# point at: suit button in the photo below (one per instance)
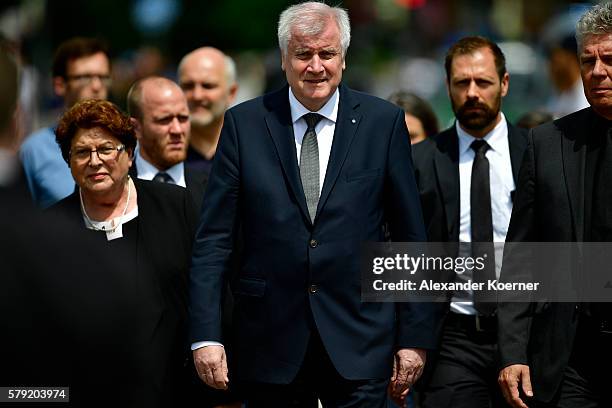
(312, 289)
(313, 243)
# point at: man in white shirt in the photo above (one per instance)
(160, 115)
(564, 71)
(466, 177)
(304, 176)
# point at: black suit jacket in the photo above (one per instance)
(166, 227)
(295, 276)
(549, 207)
(195, 182)
(436, 164)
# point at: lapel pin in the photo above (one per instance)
(353, 120)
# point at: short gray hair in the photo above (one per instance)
(230, 70)
(597, 20)
(311, 18)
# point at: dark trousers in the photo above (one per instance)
(317, 379)
(586, 383)
(464, 372)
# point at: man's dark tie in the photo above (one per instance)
(482, 224)
(309, 164)
(163, 177)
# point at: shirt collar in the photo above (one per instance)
(328, 111)
(495, 138)
(147, 170)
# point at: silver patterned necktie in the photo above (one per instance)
(309, 164)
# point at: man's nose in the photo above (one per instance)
(599, 68)
(175, 126)
(96, 83)
(198, 93)
(472, 90)
(315, 65)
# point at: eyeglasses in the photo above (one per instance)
(104, 153)
(86, 79)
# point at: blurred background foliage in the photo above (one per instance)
(396, 44)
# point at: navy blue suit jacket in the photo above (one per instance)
(295, 276)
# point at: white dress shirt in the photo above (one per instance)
(146, 171)
(502, 185)
(325, 136)
(568, 101)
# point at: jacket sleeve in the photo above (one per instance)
(514, 317)
(418, 322)
(213, 246)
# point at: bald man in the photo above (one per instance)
(160, 114)
(208, 78)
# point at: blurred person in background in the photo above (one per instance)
(161, 120)
(564, 70)
(81, 70)
(151, 224)
(29, 84)
(466, 177)
(421, 119)
(10, 172)
(534, 118)
(208, 78)
(160, 116)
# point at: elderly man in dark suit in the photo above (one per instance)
(466, 177)
(310, 173)
(553, 353)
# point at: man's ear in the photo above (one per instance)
(232, 93)
(505, 83)
(59, 86)
(137, 127)
(282, 61)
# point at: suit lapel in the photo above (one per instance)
(573, 152)
(347, 123)
(447, 172)
(517, 142)
(280, 127)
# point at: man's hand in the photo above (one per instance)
(211, 365)
(407, 368)
(509, 380)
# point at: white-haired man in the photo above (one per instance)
(308, 174)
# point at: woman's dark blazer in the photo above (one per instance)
(166, 226)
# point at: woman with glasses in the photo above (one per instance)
(154, 223)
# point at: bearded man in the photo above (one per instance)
(466, 177)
